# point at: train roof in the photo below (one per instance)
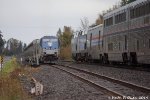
(91, 28)
(33, 42)
(123, 8)
(49, 37)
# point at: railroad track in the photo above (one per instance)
(144, 68)
(80, 74)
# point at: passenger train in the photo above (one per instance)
(124, 37)
(44, 50)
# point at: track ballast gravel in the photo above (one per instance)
(59, 85)
(140, 78)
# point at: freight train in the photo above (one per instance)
(44, 50)
(124, 37)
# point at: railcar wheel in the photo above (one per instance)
(106, 61)
(101, 58)
(133, 58)
(125, 58)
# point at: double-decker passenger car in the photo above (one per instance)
(124, 36)
(32, 52)
(127, 33)
(79, 47)
(88, 46)
(95, 42)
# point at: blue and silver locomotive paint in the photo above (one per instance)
(49, 45)
(44, 50)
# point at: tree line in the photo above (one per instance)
(64, 39)
(11, 46)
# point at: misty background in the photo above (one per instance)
(27, 20)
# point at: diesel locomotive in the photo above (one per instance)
(44, 50)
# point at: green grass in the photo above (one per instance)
(10, 66)
(10, 86)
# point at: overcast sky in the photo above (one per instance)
(26, 20)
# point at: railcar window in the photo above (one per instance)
(119, 45)
(110, 47)
(104, 23)
(137, 44)
(145, 9)
(137, 11)
(90, 40)
(149, 43)
(76, 47)
(102, 43)
(149, 7)
(125, 45)
(85, 45)
(140, 10)
(99, 39)
(120, 18)
(109, 21)
(146, 20)
(131, 13)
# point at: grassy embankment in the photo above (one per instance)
(10, 86)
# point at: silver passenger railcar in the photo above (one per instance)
(32, 52)
(95, 42)
(124, 38)
(127, 33)
(79, 47)
(88, 46)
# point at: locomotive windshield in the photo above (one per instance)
(49, 43)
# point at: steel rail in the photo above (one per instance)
(93, 84)
(121, 82)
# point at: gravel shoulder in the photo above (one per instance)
(59, 85)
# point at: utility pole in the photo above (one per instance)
(1, 63)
